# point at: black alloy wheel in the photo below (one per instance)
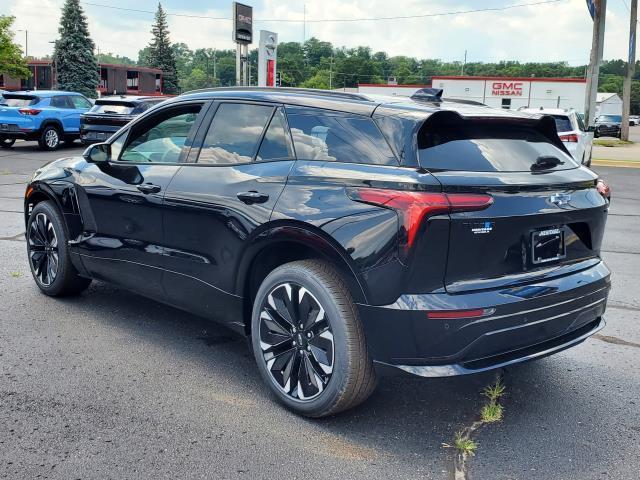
(296, 341)
(48, 253)
(43, 250)
(308, 340)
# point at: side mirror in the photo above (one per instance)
(98, 153)
(591, 128)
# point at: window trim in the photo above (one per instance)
(205, 106)
(206, 124)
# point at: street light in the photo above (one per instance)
(26, 42)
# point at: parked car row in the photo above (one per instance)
(53, 117)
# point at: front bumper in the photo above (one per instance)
(523, 323)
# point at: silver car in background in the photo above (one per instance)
(571, 130)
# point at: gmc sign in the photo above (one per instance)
(506, 89)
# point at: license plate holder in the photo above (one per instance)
(548, 245)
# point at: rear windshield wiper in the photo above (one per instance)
(546, 162)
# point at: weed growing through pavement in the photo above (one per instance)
(16, 274)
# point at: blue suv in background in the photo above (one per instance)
(50, 117)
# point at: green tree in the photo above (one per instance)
(319, 80)
(160, 54)
(12, 63)
(115, 59)
(73, 57)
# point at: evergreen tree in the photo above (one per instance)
(12, 63)
(74, 61)
(159, 53)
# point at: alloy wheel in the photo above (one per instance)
(43, 249)
(296, 340)
(51, 138)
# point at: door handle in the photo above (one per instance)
(147, 188)
(252, 197)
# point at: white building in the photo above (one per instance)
(516, 92)
(395, 90)
(608, 104)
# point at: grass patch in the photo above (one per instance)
(611, 142)
(15, 274)
(465, 445)
(495, 391)
(492, 412)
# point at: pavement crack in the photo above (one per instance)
(615, 340)
(15, 238)
(623, 306)
(621, 251)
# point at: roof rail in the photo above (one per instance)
(306, 91)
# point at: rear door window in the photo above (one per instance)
(60, 101)
(234, 134)
(482, 148)
(335, 138)
(276, 144)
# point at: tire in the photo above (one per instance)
(50, 138)
(48, 253)
(340, 382)
(7, 142)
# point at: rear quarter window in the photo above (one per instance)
(563, 123)
(335, 138)
(477, 148)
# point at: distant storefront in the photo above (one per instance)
(516, 92)
(114, 79)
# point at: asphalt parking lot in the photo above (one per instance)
(112, 385)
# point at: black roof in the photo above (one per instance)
(131, 98)
(357, 103)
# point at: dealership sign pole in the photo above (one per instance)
(598, 10)
(629, 74)
(243, 36)
(267, 57)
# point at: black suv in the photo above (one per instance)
(109, 114)
(346, 235)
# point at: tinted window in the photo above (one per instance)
(276, 144)
(339, 139)
(610, 118)
(563, 123)
(60, 101)
(112, 108)
(162, 137)
(17, 101)
(477, 148)
(580, 122)
(234, 134)
(79, 102)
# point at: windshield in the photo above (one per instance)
(18, 101)
(113, 108)
(610, 118)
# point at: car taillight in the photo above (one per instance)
(414, 207)
(458, 314)
(29, 111)
(571, 138)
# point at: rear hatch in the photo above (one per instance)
(108, 116)
(547, 217)
(17, 110)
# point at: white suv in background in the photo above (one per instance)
(571, 131)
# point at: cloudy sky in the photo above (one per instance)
(560, 30)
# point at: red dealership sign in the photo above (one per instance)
(506, 89)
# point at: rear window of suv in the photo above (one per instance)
(19, 100)
(486, 148)
(113, 108)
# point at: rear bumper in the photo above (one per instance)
(522, 323)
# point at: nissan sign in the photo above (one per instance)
(506, 89)
(242, 23)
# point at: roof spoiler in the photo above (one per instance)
(428, 95)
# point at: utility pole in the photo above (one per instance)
(629, 74)
(464, 64)
(331, 70)
(26, 42)
(304, 24)
(215, 76)
(597, 46)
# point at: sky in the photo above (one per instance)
(558, 31)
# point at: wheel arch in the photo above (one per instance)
(287, 243)
(53, 122)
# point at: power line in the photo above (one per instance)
(366, 19)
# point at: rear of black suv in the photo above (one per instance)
(485, 252)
